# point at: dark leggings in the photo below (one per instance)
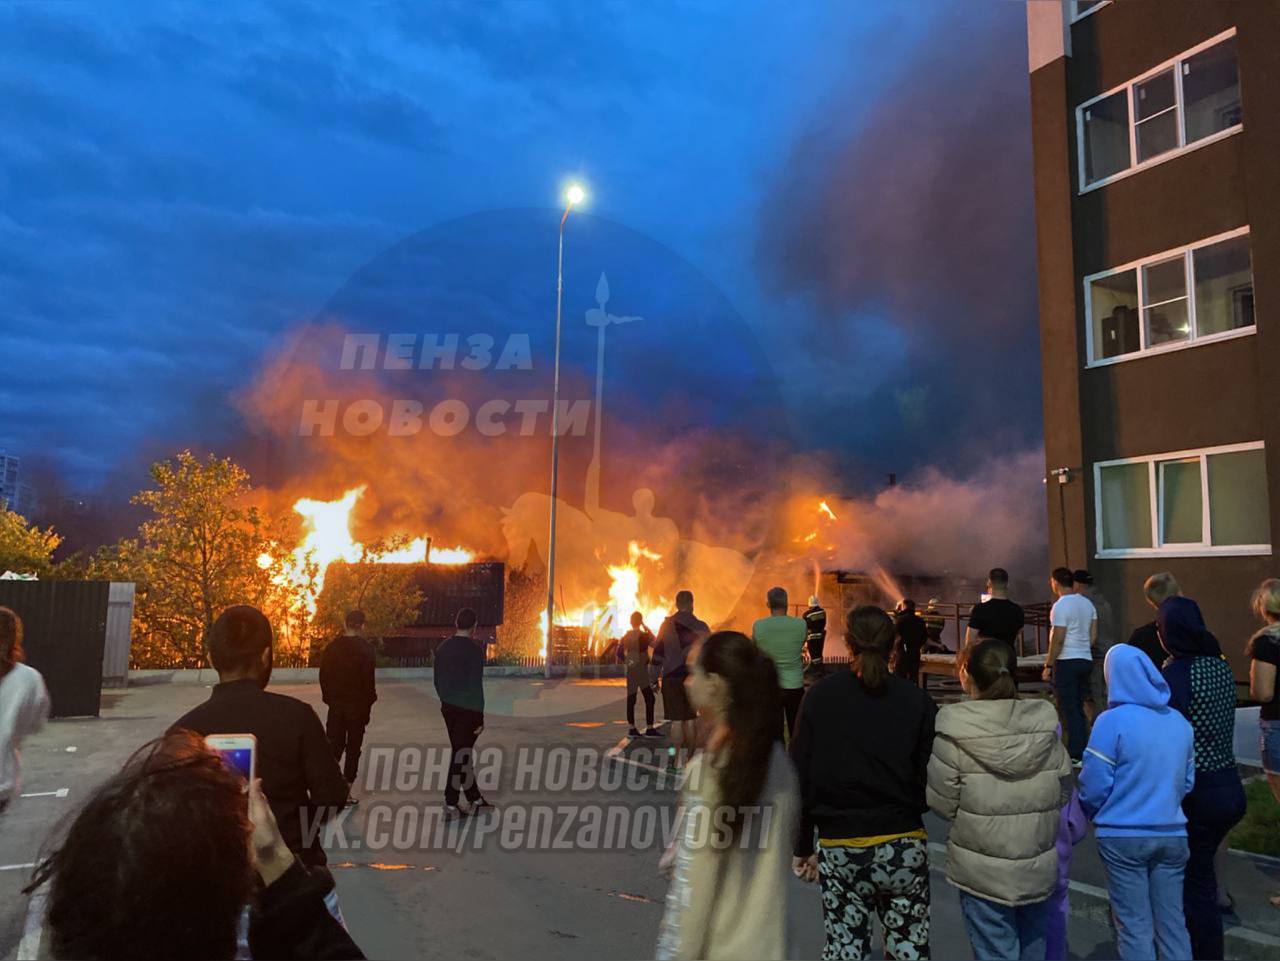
(647, 691)
(1212, 808)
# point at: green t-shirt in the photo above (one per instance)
(782, 638)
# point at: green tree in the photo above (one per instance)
(25, 548)
(201, 550)
(386, 593)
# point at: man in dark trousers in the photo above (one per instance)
(911, 635)
(299, 775)
(459, 679)
(347, 686)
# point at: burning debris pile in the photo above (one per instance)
(611, 564)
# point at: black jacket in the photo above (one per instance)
(290, 920)
(299, 775)
(862, 759)
(459, 673)
(346, 673)
(679, 632)
(912, 632)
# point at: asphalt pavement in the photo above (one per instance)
(565, 868)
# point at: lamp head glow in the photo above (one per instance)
(575, 195)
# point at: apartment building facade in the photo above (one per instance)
(1156, 142)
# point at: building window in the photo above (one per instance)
(1175, 298)
(1211, 501)
(1224, 286)
(1106, 137)
(1179, 105)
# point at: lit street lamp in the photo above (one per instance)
(574, 194)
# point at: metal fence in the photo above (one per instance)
(64, 626)
(1034, 640)
(115, 651)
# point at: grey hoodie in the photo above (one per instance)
(1000, 772)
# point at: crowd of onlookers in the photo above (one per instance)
(1019, 776)
(846, 762)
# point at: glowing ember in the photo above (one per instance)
(826, 509)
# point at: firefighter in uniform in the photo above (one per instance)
(815, 630)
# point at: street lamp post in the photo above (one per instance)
(573, 195)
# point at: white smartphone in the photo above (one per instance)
(239, 753)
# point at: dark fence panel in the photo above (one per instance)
(64, 627)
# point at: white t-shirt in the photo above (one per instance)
(1076, 613)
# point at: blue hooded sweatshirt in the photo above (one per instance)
(1140, 761)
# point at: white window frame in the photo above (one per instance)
(1194, 339)
(1077, 15)
(1128, 87)
(1155, 480)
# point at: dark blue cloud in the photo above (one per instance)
(181, 185)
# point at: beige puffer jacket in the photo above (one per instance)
(1000, 772)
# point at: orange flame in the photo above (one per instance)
(608, 620)
(327, 538)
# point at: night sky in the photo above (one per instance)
(182, 186)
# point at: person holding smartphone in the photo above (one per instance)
(175, 892)
(299, 775)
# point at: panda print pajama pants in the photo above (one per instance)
(889, 881)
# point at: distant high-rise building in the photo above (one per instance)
(26, 501)
(1156, 138)
(9, 473)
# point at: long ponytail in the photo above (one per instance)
(869, 636)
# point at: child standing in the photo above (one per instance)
(1072, 827)
(1139, 765)
(999, 770)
